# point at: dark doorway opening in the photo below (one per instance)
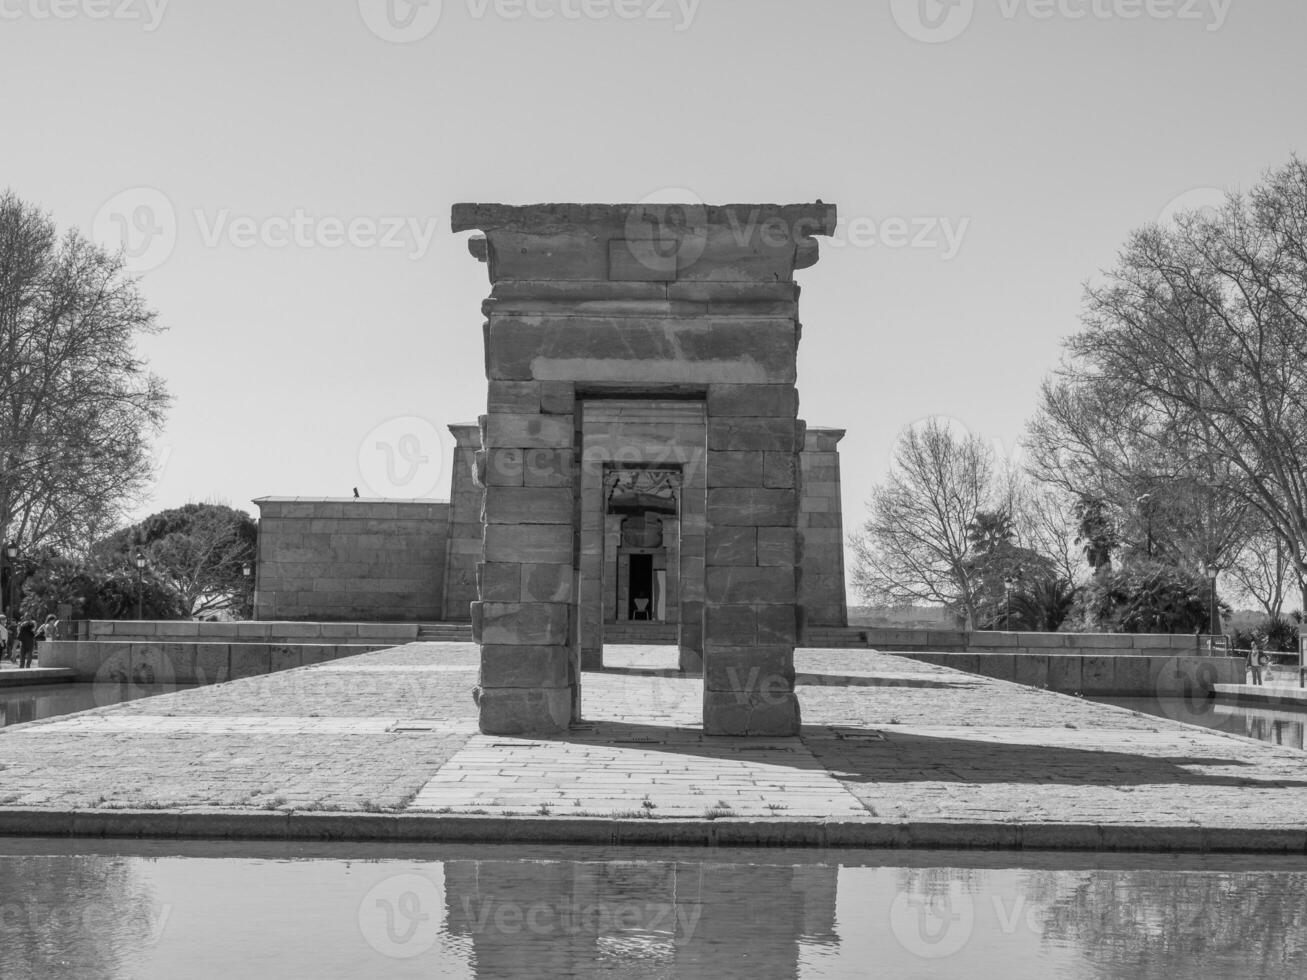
(642, 597)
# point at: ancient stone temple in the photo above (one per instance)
(642, 417)
(640, 475)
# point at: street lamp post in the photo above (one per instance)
(247, 569)
(140, 584)
(1213, 613)
(1009, 583)
(11, 552)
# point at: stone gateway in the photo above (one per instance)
(640, 467)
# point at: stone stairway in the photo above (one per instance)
(834, 638)
(445, 633)
(641, 633)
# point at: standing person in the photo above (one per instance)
(26, 643)
(4, 638)
(49, 629)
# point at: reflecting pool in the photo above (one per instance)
(105, 911)
(1278, 726)
(19, 705)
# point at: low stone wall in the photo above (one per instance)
(187, 663)
(1048, 644)
(383, 634)
(1099, 675)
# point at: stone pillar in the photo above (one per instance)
(661, 303)
(821, 530)
(750, 575)
(463, 550)
(523, 620)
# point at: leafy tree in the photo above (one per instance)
(196, 551)
(97, 590)
(77, 405)
(1148, 597)
(1095, 532)
(1042, 605)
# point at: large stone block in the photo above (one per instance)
(504, 431)
(528, 505)
(525, 712)
(731, 624)
(756, 508)
(643, 351)
(731, 546)
(499, 468)
(524, 624)
(756, 435)
(735, 470)
(753, 401)
(749, 586)
(514, 397)
(547, 583)
(535, 544)
(499, 581)
(557, 397)
(753, 668)
(781, 471)
(524, 666)
(549, 468)
(742, 714)
(777, 547)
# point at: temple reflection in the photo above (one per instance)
(639, 919)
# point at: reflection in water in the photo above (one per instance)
(491, 912)
(1285, 727)
(19, 705)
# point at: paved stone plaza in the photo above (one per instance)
(892, 752)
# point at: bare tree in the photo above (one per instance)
(77, 404)
(1264, 571)
(915, 546)
(1200, 334)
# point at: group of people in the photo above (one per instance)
(23, 638)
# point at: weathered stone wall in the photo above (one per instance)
(350, 560)
(463, 550)
(821, 526)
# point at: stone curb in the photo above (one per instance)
(724, 832)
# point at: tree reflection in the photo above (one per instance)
(1170, 924)
(73, 916)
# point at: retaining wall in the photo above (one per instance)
(188, 663)
(385, 634)
(1099, 675)
(1048, 644)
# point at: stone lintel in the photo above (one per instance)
(646, 243)
(821, 440)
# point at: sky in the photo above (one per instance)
(281, 176)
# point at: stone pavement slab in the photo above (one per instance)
(893, 751)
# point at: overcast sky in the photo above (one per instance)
(283, 174)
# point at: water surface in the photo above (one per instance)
(96, 910)
(1278, 726)
(19, 705)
